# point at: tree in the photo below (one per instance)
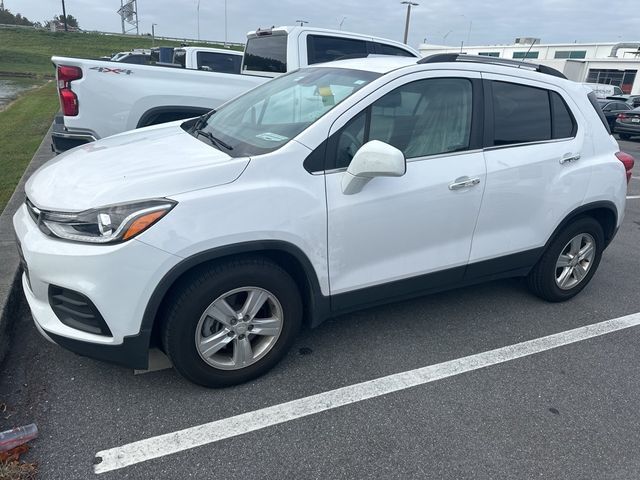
(9, 18)
(71, 20)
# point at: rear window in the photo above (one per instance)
(326, 49)
(180, 57)
(219, 62)
(266, 54)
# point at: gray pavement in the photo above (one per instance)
(566, 413)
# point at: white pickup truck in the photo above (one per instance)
(100, 98)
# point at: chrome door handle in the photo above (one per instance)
(568, 158)
(463, 182)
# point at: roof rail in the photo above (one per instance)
(457, 57)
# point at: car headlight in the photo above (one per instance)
(110, 224)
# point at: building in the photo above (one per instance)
(609, 63)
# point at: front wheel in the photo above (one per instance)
(570, 261)
(232, 322)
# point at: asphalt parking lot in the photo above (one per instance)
(566, 412)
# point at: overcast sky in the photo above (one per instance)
(481, 21)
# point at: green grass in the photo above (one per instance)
(22, 126)
(23, 50)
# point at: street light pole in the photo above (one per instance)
(225, 23)
(64, 17)
(409, 4)
(153, 34)
(198, 15)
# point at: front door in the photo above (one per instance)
(402, 235)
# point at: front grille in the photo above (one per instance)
(77, 311)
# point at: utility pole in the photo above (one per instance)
(225, 23)
(198, 15)
(406, 27)
(64, 17)
(153, 34)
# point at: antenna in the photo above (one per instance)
(526, 55)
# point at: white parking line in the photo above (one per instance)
(154, 447)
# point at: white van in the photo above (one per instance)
(603, 90)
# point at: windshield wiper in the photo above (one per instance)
(216, 142)
(202, 121)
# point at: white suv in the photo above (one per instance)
(326, 190)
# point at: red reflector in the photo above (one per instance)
(68, 74)
(628, 161)
(68, 102)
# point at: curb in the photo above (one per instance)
(11, 296)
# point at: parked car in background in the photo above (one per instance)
(323, 191)
(98, 100)
(604, 90)
(208, 59)
(137, 57)
(627, 124)
(611, 109)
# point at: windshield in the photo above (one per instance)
(270, 115)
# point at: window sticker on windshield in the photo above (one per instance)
(271, 137)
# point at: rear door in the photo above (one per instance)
(538, 167)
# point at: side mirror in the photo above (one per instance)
(373, 159)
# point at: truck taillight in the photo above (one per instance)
(622, 116)
(628, 162)
(68, 99)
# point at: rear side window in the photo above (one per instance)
(266, 54)
(563, 125)
(219, 62)
(326, 49)
(383, 49)
(521, 114)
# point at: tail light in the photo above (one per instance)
(68, 99)
(628, 161)
(622, 116)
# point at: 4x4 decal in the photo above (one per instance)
(117, 71)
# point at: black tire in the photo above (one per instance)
(624, 136)
(199, 289)
(542, 279)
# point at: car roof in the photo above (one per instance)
(387, 63)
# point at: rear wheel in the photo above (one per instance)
(569, 262)
(232, 322)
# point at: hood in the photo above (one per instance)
(152, 162)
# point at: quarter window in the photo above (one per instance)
(422, 118)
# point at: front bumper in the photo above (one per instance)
(63, 139)
(118, 279)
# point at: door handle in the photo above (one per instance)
(463, 182)
(569, 157)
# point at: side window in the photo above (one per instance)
(426, 117)
(563, 123)
(219, 62)
(521, 114)
(383, 49)
(325, 49)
